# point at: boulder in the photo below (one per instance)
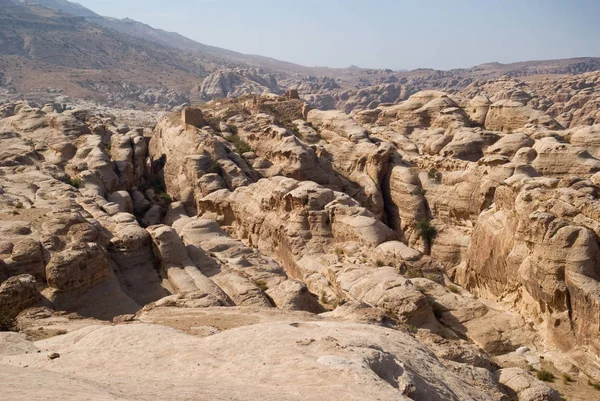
(193, 116)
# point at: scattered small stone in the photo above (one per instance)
(306, 341)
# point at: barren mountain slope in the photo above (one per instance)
(43, 48)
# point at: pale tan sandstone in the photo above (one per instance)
(510, 144)
(190, 153)
(405, 200)
(354, 156)
(539, 228)
(509, 115)
(182, 274)
(238, 270)
(478, 108)
(193, 116)
(16, 294)
(333, 360)
(467, 144)
(526, 387)
(556, 159)
(422, 110)
(586, 137)
(322, 230)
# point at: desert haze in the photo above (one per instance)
(179, 221)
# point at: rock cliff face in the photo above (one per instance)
(457, 237)
(572, 100)
(427, 164)
(232, 83)
(537, 246)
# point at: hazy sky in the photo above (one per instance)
(378, 33)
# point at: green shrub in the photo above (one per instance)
(545, 376)
(75, 182)
(241, 146)
(432, 277)
(262, 285)
(379, 263)
(339, 251)
(426, 231)
(412, 273)
(567, 379)
(453, 289)
(434, 174)
(19, 205)
(233, 129)
(595, 385)
(166, 197)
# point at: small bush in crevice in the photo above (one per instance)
(412, 273)
(75, 182)
(595, 385)
(427, 232)
(453, 289)
(233, 129)
(155, 184)
(379, 263)
(107, 149)
(262, 285)
(434, 174)
(545, 376)
(166, 197)
(433, 277)
(240, 145)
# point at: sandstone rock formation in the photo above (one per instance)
(334, 360)
(237, 82)
(430, 249)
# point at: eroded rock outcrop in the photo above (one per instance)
(540, 228)
(267, 204)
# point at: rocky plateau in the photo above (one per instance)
(443, 247)
(184, 222)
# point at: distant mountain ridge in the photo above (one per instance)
(62, 5)
(144, 31)
(49, 46)
(161, 37)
